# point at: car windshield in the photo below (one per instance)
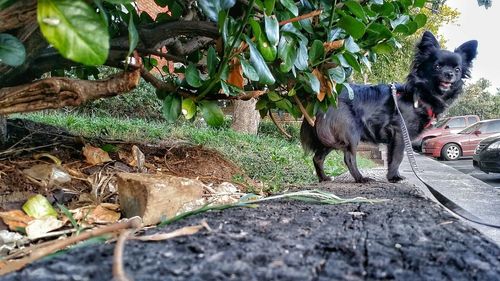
(472, 128)
(441, 123)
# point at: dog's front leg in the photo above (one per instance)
(395, 154)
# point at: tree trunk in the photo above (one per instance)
(245, 118)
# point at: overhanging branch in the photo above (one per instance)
(57, 92)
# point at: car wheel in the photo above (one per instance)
(451, 152)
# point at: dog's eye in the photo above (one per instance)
(438, 66)
(457, 70)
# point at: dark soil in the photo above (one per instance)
(405, 238)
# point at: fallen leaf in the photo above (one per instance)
(138, 158)
(39, 227)
(38, 207)
(103, 215)
(326, 85)
(47, 174)
(235, 76)
(334, 45)
(95, 155)
(187, 230)
(15, 219)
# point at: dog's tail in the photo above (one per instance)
(309, 138)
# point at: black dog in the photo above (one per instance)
(434, 82)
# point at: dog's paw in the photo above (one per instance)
(396, 178)
(364, 180)
(326, 179)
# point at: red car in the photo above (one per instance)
(451, 147)
(444, 126)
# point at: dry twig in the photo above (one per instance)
(37, 253)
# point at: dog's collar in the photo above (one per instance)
(416, 103)
(430, 113)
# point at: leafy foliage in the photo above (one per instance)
(478, 100)
(309, 48)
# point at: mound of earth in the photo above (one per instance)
(32, 143)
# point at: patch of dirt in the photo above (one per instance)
(407, 237)
(29, 140)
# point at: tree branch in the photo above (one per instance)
(304, 111)
(280, 128)
(61, 91)
(19, 14)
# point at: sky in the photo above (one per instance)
(483, 25)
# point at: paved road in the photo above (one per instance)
(464, 165)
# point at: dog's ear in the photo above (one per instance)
(468, 51)
(428, 43)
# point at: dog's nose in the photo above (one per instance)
(448, 75)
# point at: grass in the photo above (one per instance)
(266, 157)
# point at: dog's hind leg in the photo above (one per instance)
(350, 161)
(395, 154)
(319, 160)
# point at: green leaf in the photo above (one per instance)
(273, 96)
(352, 61)
(261, 104)
(412, 27)
(257, 31)
(133, 36)
(212, 114)
(287, 52)
(402, 28)
(349, 90)
(351, 46)
(334, 34)
(267, 50)
(316, 52)
(188, 108)
(421, 20)
(257, 61)
(12, 51)
(269, 6)
(301, 61)
(356, 9)
(353, 26)
(290, 6)
(313, 82)
(307, 25)
(230, 89)
(272, 29)
(248, 70)
(118, 1)
(171, 108)
(383, 48)
(212, 61)
(285, 105)
(400, 20)
(75, 30)
(211, 8)
(419, 3)
(337, 74)
(193, 76)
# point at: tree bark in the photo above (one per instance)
(246, 118)
(60, 91)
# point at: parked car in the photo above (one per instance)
(487, 155)
(445, 126)
(452, 147)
